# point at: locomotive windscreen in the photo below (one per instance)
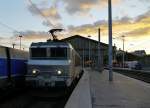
(38, 52)
(58, 52)
(49, 53)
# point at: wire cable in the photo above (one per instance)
(8, 27)
(34, 6)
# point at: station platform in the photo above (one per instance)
(123, 92)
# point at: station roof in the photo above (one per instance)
(85, 38)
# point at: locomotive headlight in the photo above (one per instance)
(34, 71)
(59, 72)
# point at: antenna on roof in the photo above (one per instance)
(52, 31)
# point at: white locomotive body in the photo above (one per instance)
(52, 64)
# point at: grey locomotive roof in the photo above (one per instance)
(48, 44)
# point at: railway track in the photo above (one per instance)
(34, 99)
(37, 98)
(137, 74)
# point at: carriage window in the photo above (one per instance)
(58, 52)
(2, 52)
(38, 52)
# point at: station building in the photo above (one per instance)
(88, 50)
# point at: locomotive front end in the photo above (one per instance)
(48, 65)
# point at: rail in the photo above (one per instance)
(137, 74)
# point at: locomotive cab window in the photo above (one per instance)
(58, 53)
(38, 52)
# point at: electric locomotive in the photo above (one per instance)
(12, 66)
(52, 64)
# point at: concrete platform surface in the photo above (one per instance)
(123, 92)
(81, 96)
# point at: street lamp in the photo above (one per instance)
(20, 36)
(89, 50)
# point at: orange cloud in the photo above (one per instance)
(135, 31)
(51, 12)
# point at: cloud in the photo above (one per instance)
(89, 29)
(144, 0)
(9, 41)
(125, 19)
(120, 26)
(100, 22)
(1, 38)
(123, 26)
(133, 6)
(56, 22)
(45, 11)
(33, 35)
(36, 35)
(27, 38)
(140, 26)
(79, 6)
(134, 29)
(50, 14)
(139, 32)
(143, 16)
(73, 6)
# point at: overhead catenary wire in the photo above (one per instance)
(8, 27)
(13, 30)
(34, 6)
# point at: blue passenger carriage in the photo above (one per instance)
(12, 66)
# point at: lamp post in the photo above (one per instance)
(89, 51)
(114, 52)
(123, 51)
(99, 51)
(13, 45)
(83, 54)
(114, 49)
(20, 36)
(110, 40)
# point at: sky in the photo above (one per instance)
(34, 18)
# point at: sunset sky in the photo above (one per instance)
(33, 19)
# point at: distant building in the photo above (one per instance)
(139, 53)
(146, 61)
(128, 56)
(88, 50)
